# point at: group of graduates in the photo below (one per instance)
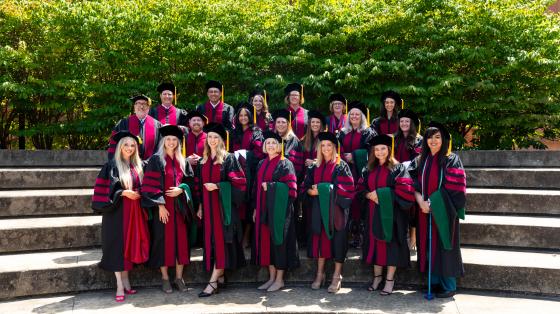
(226, 179)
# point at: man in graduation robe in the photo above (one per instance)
(215, 108)
(139, 124)
(166, 112)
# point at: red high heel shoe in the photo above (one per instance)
(119, 298)
(131, 291)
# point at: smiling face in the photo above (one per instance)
(381, 153)
(243, 117)
(258, 102)
(196, 124)
(281, 126)
(315, 125)
(389, 105)
(166, 97)
(404, 124)
(435, 142)
(337, 107)
(170, 143)
(141, 108)
(294, 98)
(128, 147)
(327, 149)
(214, 94)
(213, 139)
(271, 147)
(355, 116)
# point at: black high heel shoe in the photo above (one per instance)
(203, 294)
(371, 287)
(386, 293)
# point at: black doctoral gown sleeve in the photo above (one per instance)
(153, 184)
(108, 190)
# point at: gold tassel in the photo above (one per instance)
(290, 122)
(175, 96)
(338, 153)
(302, 99)
(392, 147)
(149, 101)
(419, 126)
(184, 147)
(264, 100)
(139, 140)
(367, 116)
(346, 106)
(227, 140)
(282, 157)
(402, 104)
(222, 93)
(254, 115)
(450, 144)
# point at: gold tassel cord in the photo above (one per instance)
(367, 116)
(402, 104)
(302, 99)
(222, 93)
(227, 140)
(450, 144)
(392, 147)
(264, 101)
(175, 96)
(184, 150)
(149, 102)
(282, 157)
(338, 153)
(346, 106)
(254, 115)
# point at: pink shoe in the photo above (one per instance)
(119, 298)
(131, 291)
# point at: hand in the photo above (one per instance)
(425, 207)
(192, 161)
(264, 186)
(163, 214)
(372, 196)
(199, 212)
(133, 195)
(210, 186)
(254, 216)
(173, 192)
(348, 157)
(313, 191)
(309, 162)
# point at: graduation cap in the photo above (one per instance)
(135, 98)
(219, 129)
(196, 113)
(393, 95)
(167, 86)
(407, 113)
(122, 134)
(444, 133)
(171, 130)
(360, 106)
(384, 139)
(337, 97)
(317, 115)
(283, 113)
(252, 110)
(294, 87)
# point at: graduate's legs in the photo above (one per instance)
(120, 286)
(278, 282)
(390, 281)
(165, 284)
(271, 278)
(377, 277)
(336, 282)
(213, 283)
(179, 282)
(320, 276)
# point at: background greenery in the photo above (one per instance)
(68, 67)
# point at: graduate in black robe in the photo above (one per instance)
(215, 108)
(387, 191)
(259, 99)
(140, 124)
(124, 230)
(329, 189)
(275, 191)
(354, 140)
(440, 183)
(221, 186)
(294, 99)
(166, 112)
(388, 121)
(166, 193)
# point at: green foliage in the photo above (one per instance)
(491, 66)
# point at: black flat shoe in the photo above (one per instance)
(203, 294)
(445, 294)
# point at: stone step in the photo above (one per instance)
(72, 271)
(511, 231)
(531, 178)
(47, 178)
(45, 202)
(33, 234)
(52, 158)
(510, 158)
(513, 201)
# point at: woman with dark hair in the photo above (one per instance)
(259, 99)
(274, 193)
(222, 184)
(408, 142)
(329, 188)
(247, 147)
(337, 107)
(116, 196)
(388, 192)
(165, 192)
(440, 184)
(316, 125)
(354, 140)
(387, 122)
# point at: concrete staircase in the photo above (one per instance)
(49, 237)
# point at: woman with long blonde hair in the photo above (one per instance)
(330, 179)
(166, 193)
(221, 185)
(116, 196)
